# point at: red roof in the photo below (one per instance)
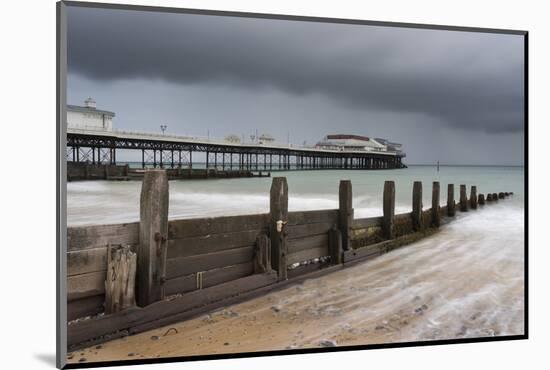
(345, 137)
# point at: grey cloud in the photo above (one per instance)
(470, 81)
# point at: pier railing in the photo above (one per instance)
(182, 268)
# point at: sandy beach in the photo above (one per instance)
(433, 289)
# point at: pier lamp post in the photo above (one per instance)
(163, 128)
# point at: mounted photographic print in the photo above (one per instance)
(235, 184)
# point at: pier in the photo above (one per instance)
(184, 268)
(171, 151)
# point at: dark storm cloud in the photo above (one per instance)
(469, 81)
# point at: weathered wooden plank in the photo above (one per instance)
(87, 260)
(210, 243)
(86, 285)
(436, 214)
(300, 231)
(463, 199)
(120, 281)
(362, 237)
(153, 233)
(88, 306)
(262, 254)
(417, 206)
(473, 197)
(178, 229)
(296, 245)
(278, 211)
(481, 199)
(363, 223)
(176, 267)
(403, 224)
(307, 254)
(451, 209)
(209, 307)
(367, 252)
(335, 246)
(312, 217)
(345, 217)
(388, 220)
(86, 237)
(90, 329)
(402, 217)
(209, 278)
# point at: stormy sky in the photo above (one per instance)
(451, 96)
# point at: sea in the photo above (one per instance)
(475, 264)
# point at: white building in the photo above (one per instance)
(89, 117)
(266, 139)
(344, 142)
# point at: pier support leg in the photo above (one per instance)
(153, 232)
(388, 224)
(278, 210)
(346, 212)
(463, 199)
(417, 206)
(436, 215)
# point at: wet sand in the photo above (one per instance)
(463, 282)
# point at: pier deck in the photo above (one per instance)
(170, 151)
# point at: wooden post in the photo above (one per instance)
(120, 282)
(278, 209)
(451, 209)
(262, 255)
(335, 246)
(346, 212)
(473, 197)
(495, 197)
(463, 199)
(417, 206)
(388, 224)
(480, 199)
(436, 216)
(489, 197)
(500, 195)
(153, 231)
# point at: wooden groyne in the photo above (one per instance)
(184, 268)
(86, 171)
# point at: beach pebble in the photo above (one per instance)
(226, 344)
(99, 347)
(154, 337)
(131, 354)
(421, 309)
(328, 343)
(276, 308)
(82, 359)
